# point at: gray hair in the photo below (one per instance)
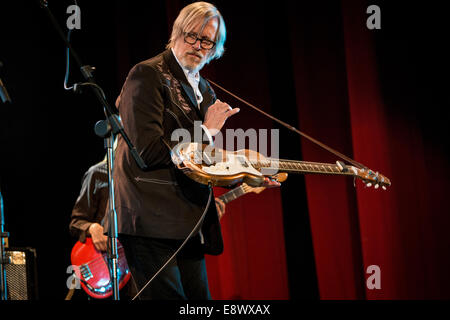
(193, 13)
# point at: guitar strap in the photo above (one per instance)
(320, 144)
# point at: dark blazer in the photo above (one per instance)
(161, 202)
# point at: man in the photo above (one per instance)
(158, 208)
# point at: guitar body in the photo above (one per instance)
(91, 267)
(217, 167)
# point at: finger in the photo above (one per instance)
(274, 184)
(220, 213)
(232, 112)
(219, 204)
(269, 183)
(97, 246)
(102, 246)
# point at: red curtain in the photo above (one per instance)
(319, 76)
(403, 230)
(253, 265)
(341, 101)
(377, 210)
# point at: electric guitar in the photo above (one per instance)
(91, 268)
(217, 167)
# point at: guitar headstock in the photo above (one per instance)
(371, 178)
(368, 177)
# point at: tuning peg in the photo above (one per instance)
(368, 185)
(377, 186)
(383, 187)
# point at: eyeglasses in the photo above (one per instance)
(192, 38)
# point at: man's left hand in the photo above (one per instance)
(270, 183)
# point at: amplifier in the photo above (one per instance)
(21, 273)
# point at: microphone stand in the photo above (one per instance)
(3, 261)
(106, 129)
(3, 234)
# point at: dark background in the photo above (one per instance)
(48, 142)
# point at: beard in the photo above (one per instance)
(194, 61)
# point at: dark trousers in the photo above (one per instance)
(182, 279)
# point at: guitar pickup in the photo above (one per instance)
(243, 162)
(85, 272)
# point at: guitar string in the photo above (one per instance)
(300, 162)
(318, 166)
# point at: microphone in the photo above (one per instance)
(3, 92)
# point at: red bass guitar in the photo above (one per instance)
(91, 267)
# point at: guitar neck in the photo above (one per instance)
(294, 166)
(233, 194)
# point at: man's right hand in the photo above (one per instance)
(216, 115)
(98, 238)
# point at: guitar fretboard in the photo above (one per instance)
(233, 194)
(302, 167)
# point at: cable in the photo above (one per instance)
(184, 242)
(76, 87)
(66, 76)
